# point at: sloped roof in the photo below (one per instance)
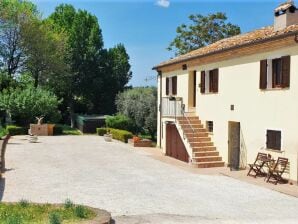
(263, 34)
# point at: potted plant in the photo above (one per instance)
(108, 137)
(136, 139)
(33, 138)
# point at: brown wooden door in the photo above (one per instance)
(234, 145)
(174, 145)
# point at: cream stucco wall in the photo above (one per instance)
(257, 110)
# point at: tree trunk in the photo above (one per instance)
(36, 76)
(71, 114)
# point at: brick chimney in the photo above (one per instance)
(285, 15)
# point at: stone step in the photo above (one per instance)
(199, 139)
(201, 144)
(208, 164)
(188, 122)
(204, 149)
(196, 135)
(207, 159)
(191, 119)
(205, 153)
(196, 130)
(189, 126)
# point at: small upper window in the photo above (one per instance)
(171, 85)
(209, 81)
(273, 140)
(275, 73)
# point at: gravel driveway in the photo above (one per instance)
(133, 186)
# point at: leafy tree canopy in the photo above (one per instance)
(202, 31)
(13, 15)
(139, 104)
(24, 105)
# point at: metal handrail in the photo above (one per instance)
(188, 121)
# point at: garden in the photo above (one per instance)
(48, 70)
(25, 212)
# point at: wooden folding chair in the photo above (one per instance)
(277, 171)
(257, 166)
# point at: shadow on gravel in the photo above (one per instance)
(2, 187)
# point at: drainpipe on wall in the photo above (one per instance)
(160, 105)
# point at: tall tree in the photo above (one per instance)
(117, 75)
(84, 51)
(202, 31)
(44, 50)
(13, 14)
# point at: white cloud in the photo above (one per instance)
(163, 3)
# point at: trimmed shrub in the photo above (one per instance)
(16, 130)
(120, 122)
(3, 132)
(101, 131)
(121, 135)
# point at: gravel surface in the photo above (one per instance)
(133, 186)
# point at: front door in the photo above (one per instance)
(174, 145)
(234, 145)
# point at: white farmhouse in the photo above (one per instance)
(223, 103)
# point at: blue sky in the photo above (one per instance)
(146, 27)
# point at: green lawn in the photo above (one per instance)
(25, 213)
(67, 130)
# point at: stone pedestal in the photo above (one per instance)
(41, 129)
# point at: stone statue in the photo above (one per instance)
(39, 120)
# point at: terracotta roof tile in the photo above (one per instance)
(236, 41)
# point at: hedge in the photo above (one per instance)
(3, 132)
(120, 122)
(101, 131)
(117, 134)
(16, 130)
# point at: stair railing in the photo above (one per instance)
(188, 121)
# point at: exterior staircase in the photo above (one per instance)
(204, 153)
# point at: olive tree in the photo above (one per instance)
(140, 105)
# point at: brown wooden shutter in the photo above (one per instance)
(263, 74)
(270, 139)
(174, 85)
(167, 86)
(215, 81)
(202, 81)
(286, 64)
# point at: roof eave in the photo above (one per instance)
(226, 49)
